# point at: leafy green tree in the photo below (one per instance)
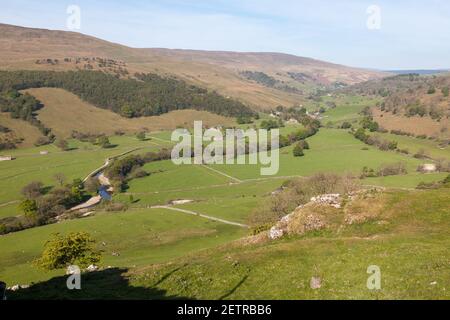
(304, 144)
(103, 142)
(298, 150)
(141, 136)
(127, 111)
(77, 248)
(29, 207)
(346, 125)
(445, 91)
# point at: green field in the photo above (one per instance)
(140, 236)
(29, 165)
(143, 236)
(348, 108)
(410, 247)
(332, 150)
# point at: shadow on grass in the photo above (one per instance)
(233, 290)
(109, 284)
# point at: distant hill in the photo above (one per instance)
(296, 77)
(421, 72)
(417, 104)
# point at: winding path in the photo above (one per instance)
(201, 215)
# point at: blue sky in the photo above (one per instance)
(414, 34)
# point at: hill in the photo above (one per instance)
(412, 103)
(39, 49)
(64, 112)
(404, 236)
(18, 132)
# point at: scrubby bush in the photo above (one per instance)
(298, 192)
(298, 150)
(393, 169)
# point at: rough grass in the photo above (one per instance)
(140, 237)
(20, 129)
(64, 112)
(410, 247)
(416, 125)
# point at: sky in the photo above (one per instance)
(375, 34)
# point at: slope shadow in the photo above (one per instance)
(109, 284)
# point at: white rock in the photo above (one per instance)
(15, 287)
(92, 268)
(315, 283)
(275, 233)
(72, 270)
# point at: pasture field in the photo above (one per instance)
(414, 145)
(144, 235)
(332, 150)
(136, 238)
(77, 163)
(348, 108)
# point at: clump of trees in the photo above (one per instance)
(41, 205)
(24, 107)
(123, 170)
(146, 95)
(392, 169)
(382, 144)
(271, 124)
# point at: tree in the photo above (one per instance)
(33, 190)
(141, 136)
(304, 144)
(92, 185)
(298, 150)
(29, 207)
(62, 144)
(126, 111)
(271, 124)
(104, 142)
(75, 248)
(346, 125)
(445, 91)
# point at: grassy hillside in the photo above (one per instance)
(219, 71)
(20, 130)
(64, 112)
(407, 240)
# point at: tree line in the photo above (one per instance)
(145, 95)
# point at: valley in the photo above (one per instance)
(209, 231)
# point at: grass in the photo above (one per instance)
(414, 145)
(348, 108)
(20, 129)
(410, 247)
(77, 163)
(64, 112)
(140, 236)
(331, 150)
